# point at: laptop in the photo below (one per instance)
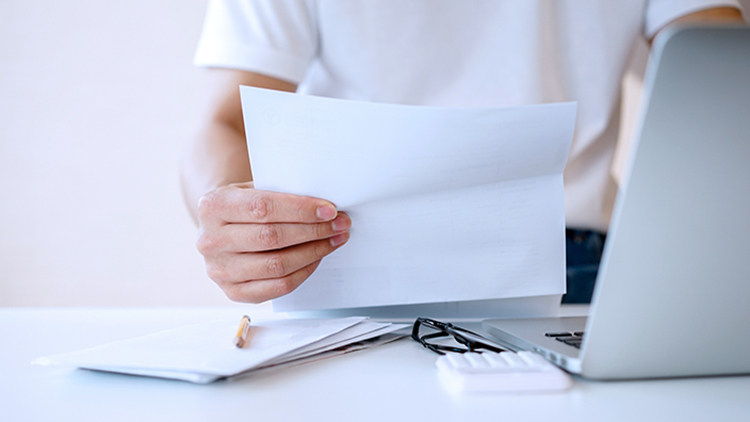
(672, 297)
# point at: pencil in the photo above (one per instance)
(241, 337)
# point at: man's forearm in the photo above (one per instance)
(218, 157)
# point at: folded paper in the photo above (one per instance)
(447, 204)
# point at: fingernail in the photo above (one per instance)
(326, 212)
(340, 224)
(339, 239)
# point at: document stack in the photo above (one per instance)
(206, 352)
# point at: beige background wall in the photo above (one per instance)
(96, 99)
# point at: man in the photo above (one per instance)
(262, 245)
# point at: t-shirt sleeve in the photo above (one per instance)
(271, 37)
(661, 12)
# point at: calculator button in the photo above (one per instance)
(475, 360)
(513, 360)
(457, 360)
(495, 360)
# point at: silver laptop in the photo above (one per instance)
(672, 296)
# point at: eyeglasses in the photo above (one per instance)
(473, 341)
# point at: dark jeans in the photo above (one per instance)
(582, 255)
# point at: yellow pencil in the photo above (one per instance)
(241, 338)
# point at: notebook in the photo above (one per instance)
(673, 292)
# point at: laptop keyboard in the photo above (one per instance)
(571, 338)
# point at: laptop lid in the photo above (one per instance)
(673, 290)
(674, 286)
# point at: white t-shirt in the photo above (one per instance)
(456, 53)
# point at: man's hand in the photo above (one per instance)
(257, 245)
(260, 245)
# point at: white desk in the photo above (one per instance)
(391, 383)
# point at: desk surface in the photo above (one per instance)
(397, 381)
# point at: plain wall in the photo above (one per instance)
(97, 99)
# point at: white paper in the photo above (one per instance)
(363, 331)
(352, 347)
(203, 353)
(205, 348)
(447, 204)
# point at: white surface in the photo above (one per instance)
(447, 204)
(397, 381)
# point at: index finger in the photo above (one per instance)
(237, 204)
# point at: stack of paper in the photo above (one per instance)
(205, 352)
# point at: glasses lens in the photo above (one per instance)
(472, 340)
(426, 329)
(434, 329)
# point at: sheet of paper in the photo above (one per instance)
(204, 348)
(363, 331)
(447, 204)
(352, 347)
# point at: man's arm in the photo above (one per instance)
(218, 155)
(717, 15)
(257, 245)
